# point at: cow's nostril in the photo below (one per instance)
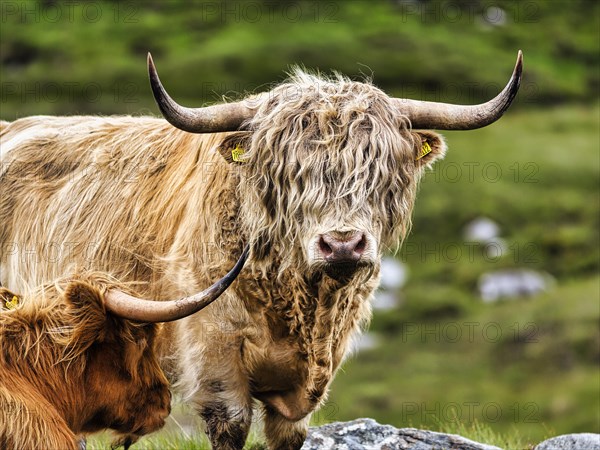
(325, 249)
(361, 245)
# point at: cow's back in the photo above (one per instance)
(104, 193)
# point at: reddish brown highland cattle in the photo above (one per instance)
(71, 362)
(318, 176)
(68, 367)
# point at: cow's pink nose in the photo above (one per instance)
(337, 250)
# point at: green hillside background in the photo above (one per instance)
(520, 370)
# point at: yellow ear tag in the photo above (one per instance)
(425, 150)
(12, 304)
(237, 153)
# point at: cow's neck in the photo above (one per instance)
(313, 319)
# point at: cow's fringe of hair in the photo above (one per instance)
(315, 134)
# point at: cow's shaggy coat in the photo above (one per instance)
(147, 202)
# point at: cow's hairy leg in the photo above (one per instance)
(224, 403)
(218, 388)
(283, 434)
(227, 423)
(226, 431)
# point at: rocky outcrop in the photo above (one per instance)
(366, 434)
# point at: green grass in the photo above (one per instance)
(478, 432)
(529, 368)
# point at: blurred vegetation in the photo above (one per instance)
(89, 56)
(536, 173)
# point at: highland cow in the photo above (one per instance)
(71, 362)
(318, 176)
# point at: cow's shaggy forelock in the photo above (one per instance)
(327, 154)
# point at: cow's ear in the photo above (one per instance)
(88, 313)
(234, 146)
(428, 147)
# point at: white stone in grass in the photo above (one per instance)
(393, 273)
(512, 284)
(481, 230)
(366, 434)
(577, 441)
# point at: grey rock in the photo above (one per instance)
(365, 341)
(367, 434)
(481, 230)
(393, 273)
(384, 300)
(579, 441)
(495, 248)
(513, 283)
(494, 16)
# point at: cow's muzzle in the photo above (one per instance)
(341, 254)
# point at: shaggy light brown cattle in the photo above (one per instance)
(318, 176)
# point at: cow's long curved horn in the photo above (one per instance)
(133, 308)
(444, 116)
(210, 119)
